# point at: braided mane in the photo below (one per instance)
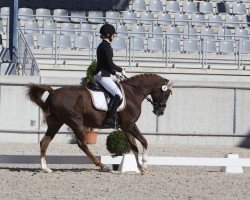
(140, 76)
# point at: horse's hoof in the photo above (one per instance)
(46, 170)
(105, 169)
(143, 170)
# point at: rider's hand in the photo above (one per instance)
(123, 72)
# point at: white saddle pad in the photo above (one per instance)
(100, 103)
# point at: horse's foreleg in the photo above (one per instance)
(132, 134)
(53, 126)
(133, 147)
(84, 147)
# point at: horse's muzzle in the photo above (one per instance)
(159, 111)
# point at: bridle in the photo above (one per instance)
(163, 90)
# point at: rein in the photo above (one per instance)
(155, 105)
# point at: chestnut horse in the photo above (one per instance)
(73, 106)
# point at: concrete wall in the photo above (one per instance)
(197, 112)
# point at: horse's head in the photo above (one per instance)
(160, 97)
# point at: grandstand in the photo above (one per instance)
(183, 40)
(188, 34)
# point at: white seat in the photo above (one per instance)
(122, 30)
(190, 46)
(25, 14)
(181, 19)
(61, 15)
(244, 47)
(95, 17)
(189, 7)
(209, 46)
(147, 18)
(5, 12)
(138, 5)
(241, 34)
(82, 42)
(155, 6)
(86, 29)
(172, 6)
(129, 17)
(31, 27)
(1, 27)
(205, 7)
(173, 32)
(138, 31)
(137, 44)
(239, 8)
(232, 21)
(226, 46)
(190, 33)
(173, 45)
(63, 42)
(43, 14)
(78, 16)
(224, 34)
(155, 44)
(198, 20)
(30, 40)
(45, 41)
(156, 32)
(49, 27)
(112, 17)
(164, 19)
(207, 33)
(215, 20)
(119, 43)
(68, 29)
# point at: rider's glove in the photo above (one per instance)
(123, 72)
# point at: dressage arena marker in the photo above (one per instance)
(231, 164)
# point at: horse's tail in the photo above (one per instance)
(35, 93)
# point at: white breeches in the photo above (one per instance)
(108, 84)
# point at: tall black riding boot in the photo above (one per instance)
(109, 121)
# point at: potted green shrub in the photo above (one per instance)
(90, 135)
(117, 144)
(89, 74)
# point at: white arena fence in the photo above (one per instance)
(127, 163)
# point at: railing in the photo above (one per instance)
(26, 61)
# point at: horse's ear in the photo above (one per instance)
(170, 85)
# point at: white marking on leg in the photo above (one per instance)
(44, 166)
(144, 158)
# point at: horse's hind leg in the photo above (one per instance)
(54, 125)
(82, 144)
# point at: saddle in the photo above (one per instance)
(101, 97)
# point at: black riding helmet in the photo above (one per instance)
(107, 29)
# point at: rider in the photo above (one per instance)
(106, 67)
